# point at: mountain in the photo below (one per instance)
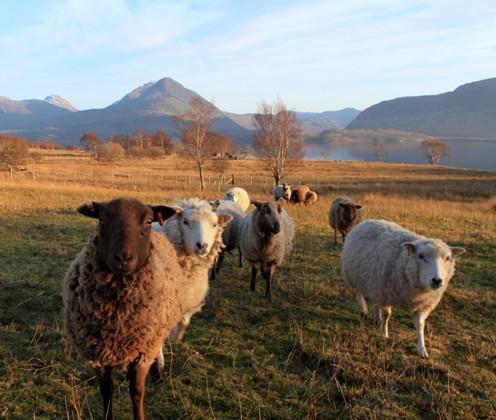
(60, 102)
(468, 111)
(149, 107)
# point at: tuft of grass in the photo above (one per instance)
(306, 355)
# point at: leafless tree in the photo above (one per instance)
(434, 150)
(379, 151)
(193, 125)
(90, 142)
(277, 140)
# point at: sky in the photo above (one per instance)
(315, 55)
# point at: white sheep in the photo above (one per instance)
(231, 234)
(282, 191)
(238, 195)
(267, 234)
(196, 233)
(394, 267)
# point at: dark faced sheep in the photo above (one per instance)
(343, 216)
(299, 194)
(121, 295)
(267, 234)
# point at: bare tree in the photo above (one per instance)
(434, 150)
(379, 151)
(90, 142)
(193, 125)
(277, 140)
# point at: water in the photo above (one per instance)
(463, 153)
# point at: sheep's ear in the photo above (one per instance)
(224, 220)
(456, 250)
(214, 204)
(410, 247)
(90, 209)
(358, 206)
(257, 204)
(162, 213)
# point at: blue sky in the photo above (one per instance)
(315, 55)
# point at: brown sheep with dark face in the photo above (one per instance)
(343, 216)
(299, 194)
(121, 295)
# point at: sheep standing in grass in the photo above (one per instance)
(121, 295)
(311, 197)
(196, 233)
(231, 233)
(238, 195)
(282, 192)
(393, 267)
(343, 216)
(267, 234)
(299, 194)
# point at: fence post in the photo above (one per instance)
(129, 179)
(113, 178)
(11, 174)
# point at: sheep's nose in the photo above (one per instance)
(201, 246)
(277, 228)
(124, 257)
(436, 283)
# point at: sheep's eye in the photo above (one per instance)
(186, 222)
(422, 257)
(149, 222)
(448, 258)
(214, 225)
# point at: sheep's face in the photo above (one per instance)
(124, 232)
(200, 229)
(268, 217)
(231, 196)
(286, 191)
(435, 261)
(349, 211)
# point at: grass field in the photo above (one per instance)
(306, 355)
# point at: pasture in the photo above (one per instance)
(307, 354)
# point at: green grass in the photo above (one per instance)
(306, 355)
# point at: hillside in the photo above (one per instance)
(149, 107)
(469, 111)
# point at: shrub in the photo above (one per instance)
(110, 152)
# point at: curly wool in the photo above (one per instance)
(113, 320)
(336, 215)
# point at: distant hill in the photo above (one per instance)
(469, 111)
(149, 107)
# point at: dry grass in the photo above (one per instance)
(306, 355)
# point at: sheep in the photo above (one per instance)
(299, 194)
(238, 195)
(267, 234)
(120, 295)
(343, 216)
(230, 235)
(310, 198)
(196, 233)
(394, 267)
(282, 192)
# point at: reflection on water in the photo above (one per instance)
(472, 154)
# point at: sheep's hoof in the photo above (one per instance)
(157, 376)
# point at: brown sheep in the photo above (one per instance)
(311, 198)
(121, 295)
(299, 194)
(343, 216)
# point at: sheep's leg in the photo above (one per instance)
(240, 258)
(269, 271)
(220, 261)
(335, 237)
(157, 367)
(384, 315)
(213, 270)
(419, 320)
(253, 278)
(106, 389)
(137, 374)
(362, 304)
(182, 327)
(343, 234)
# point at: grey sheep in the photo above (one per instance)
(267, 234)
(394, 267)
(343, 216)
(282, 191)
